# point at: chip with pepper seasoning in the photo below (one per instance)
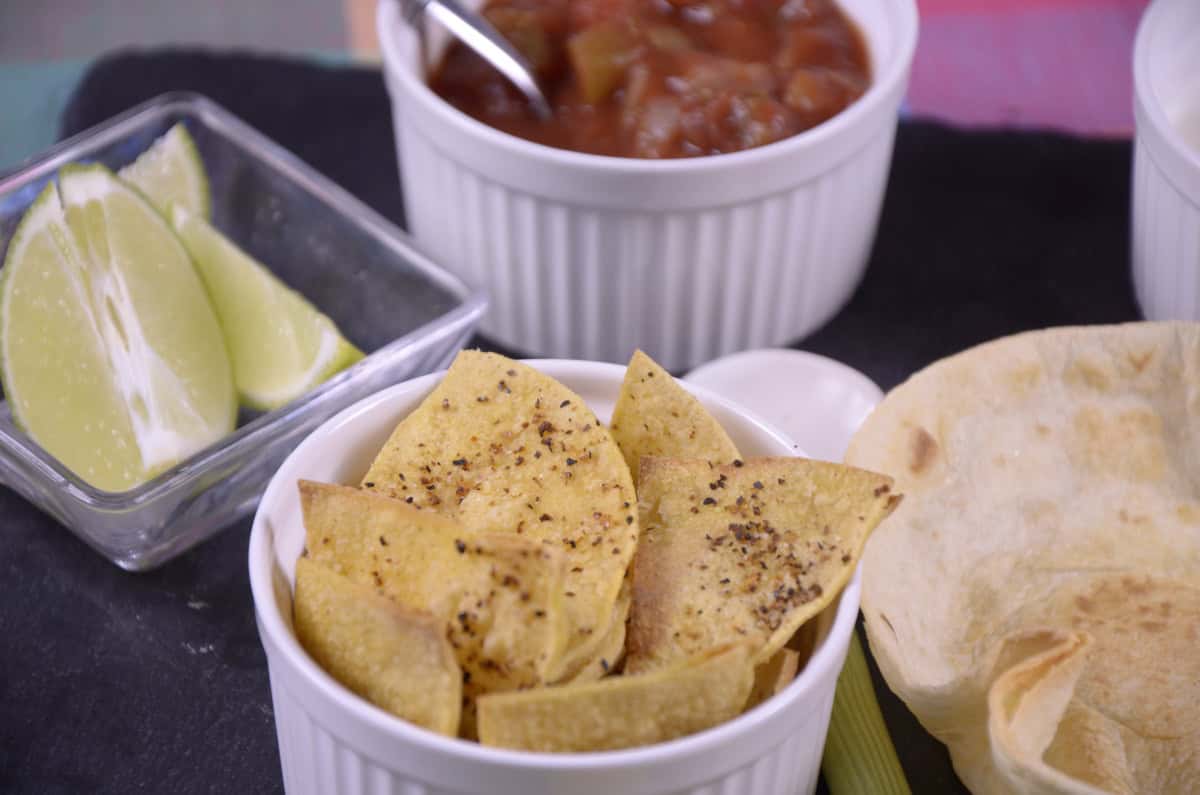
(655, 416)
(499, 594)
(500, 447)
(743, 552)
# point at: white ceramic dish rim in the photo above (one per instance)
(261, 565)
(883, 85)
(1183, 166)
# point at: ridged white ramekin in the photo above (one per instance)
(334, 743)
(1166, 170)
(591, 257)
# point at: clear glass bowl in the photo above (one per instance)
(361, 270)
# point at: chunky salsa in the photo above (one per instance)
(665, 78)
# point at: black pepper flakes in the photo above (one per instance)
(564, 404)
(737, 462)
(758, 484)
(545, 517)
(459, 462)
(460, 546)
(709, 501)
(571, 462)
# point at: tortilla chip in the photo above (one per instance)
(655, 416)
(1051, 493)
(773, 675)
(499, 594)
(622, 711)
(394, 657)
(500, 447)
(743, 552)
(611, 653)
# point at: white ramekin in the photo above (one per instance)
(331, 741)
(1166, 169)
(591, 257)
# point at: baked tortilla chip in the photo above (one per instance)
(743, 552)
(500, 447)
(611, 652)
(655, 416)
(395, 657)
(499, 594)
(622, 711)
(773, 675)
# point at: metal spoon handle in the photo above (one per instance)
(480, 35)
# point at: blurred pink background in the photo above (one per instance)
(1064, 64)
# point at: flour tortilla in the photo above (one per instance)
(1035, 600)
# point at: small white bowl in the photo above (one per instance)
(590, 257)
(1166, 170)
(332, 741)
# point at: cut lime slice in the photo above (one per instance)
(171, 171)
(110, 353)
(280, 345)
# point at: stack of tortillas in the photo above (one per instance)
(1035, 600)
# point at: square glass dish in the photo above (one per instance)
(405, 312)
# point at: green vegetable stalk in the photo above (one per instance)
(859, 756)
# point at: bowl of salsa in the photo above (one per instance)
(663, 78)
(710, 179)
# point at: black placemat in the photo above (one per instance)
(113, 682)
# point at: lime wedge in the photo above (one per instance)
(171, 171)
(110, 354)
(280, 345)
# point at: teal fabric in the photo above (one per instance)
(32, 97)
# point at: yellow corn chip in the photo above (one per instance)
(395, 657)
(773, 675)
(743, 552)
(611, 651)
(655, 416)
(500, 447)
(500, 595)
(622, 711)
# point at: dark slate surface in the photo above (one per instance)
(115, 682)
